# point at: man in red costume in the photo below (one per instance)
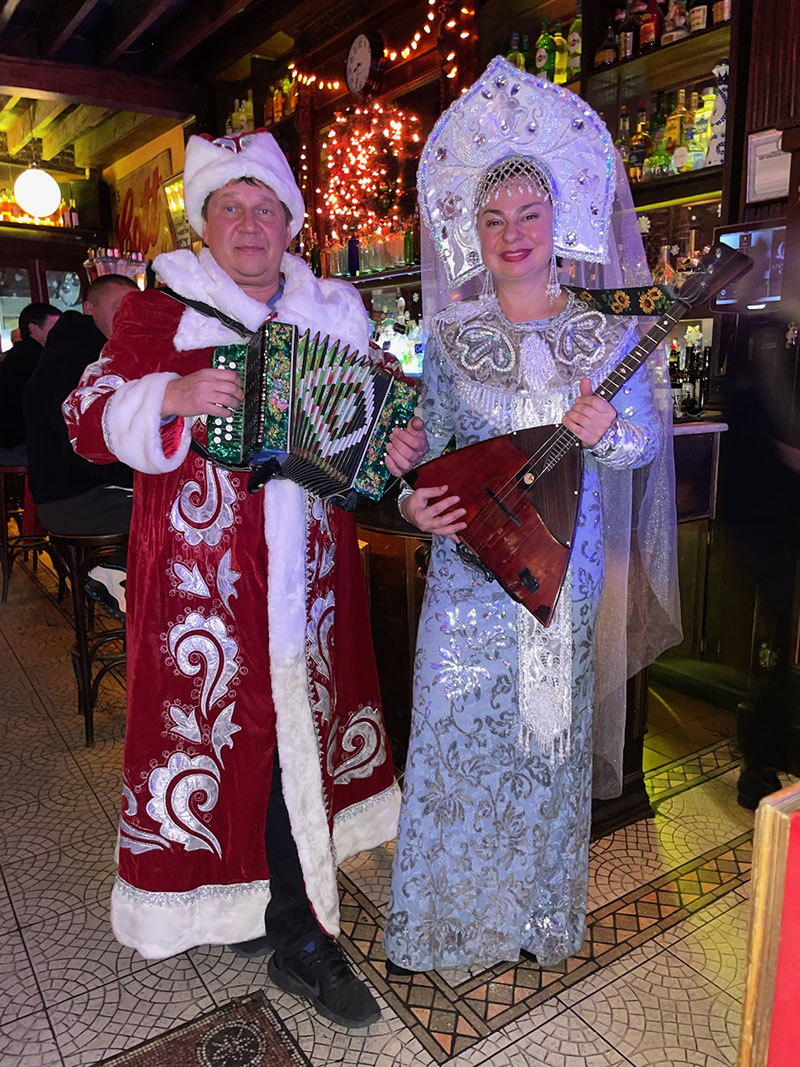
(252, 691)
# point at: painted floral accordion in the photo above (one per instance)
(315, 412)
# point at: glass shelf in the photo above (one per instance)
(692, 185)
(671, 66)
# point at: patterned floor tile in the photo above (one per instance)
(718, 949)
(29, 1042)
(46, 812)
(663, 1009)
(103, 1021)
(76, 952)
(77, 873)
(226, 976)
(564, 1041)
(372, 872)
(626, 859)
(704, 816)
(19, 994)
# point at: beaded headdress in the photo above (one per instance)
(509, 113)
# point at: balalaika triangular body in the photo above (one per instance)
(522, 491)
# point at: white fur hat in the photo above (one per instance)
(210, 164)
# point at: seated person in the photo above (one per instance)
(74, 496)
(19, 362)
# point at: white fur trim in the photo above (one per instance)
(368, 824)
(132, 425)
(327, 306)
(158, 925)
(209, 166)
(284, 522)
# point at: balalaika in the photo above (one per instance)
(313, 411)
(521, 491)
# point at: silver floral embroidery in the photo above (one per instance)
(364, 746)
(318, 640)
(204, 513)
(203, 644)
(222, 731)
(130, 837)
(191, 897)
(190, 581)
(227, 578)
(184, 786)
(185, 724)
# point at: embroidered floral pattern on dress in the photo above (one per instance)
(201, 646)
(362, 745)
(189, 579)
(203, 512)
(180, 792)
(227, 578)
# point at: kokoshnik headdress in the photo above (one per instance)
(508, 114)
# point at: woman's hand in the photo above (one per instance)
(590, 416)
(212, 391)
(406, 447)
(433, 515)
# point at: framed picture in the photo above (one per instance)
(768, 167)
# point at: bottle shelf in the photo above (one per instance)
(670, 66)
(393, 276)
(678, 188)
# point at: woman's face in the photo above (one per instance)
(516, 235)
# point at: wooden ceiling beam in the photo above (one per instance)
(33, 122)
(115, 90)
(116, 137)
(7, 113)
(7, 9)
(208, 17)
(64, 133)
(130, 25)
(64, 19)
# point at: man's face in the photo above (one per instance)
(104, 306)
(247, 233)
(39, 333)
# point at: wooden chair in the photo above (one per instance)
(12, 503)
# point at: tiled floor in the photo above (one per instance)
(658, 982)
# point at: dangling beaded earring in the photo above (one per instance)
(553, 289)
(487, 285)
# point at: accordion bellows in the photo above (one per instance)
(324, 412)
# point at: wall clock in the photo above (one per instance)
(364, 65)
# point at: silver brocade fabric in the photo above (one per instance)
(493, 839)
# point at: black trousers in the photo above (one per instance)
(289, 918)
(103, 510)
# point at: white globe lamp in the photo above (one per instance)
(37, 192)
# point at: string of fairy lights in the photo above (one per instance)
(365, 182)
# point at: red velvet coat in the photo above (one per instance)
(247, 627)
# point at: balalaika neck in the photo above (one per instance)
(563, 438)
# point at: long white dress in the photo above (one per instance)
(492, 851)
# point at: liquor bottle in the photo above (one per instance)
(408, 245)
(575, 46)
(663, 272)
(74, 219)
(562, 55)
(701, 132)
(352, 256)
(651, 22)
(545, 60)
(676, 22)
(248, 116)
(623, 141)
(676, 127)
(606, 54)
(721, 11)
(619, 18)
(514, 55)
(675, 376)
(315, 261)
(700, 15)
(628, 41)
(526, 53)
(641, 146)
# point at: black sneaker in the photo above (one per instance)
(320, 973)
(248, 950)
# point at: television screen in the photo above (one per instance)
(760, 289)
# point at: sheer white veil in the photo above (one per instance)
(640, 611)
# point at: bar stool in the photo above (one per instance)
(91, 658)
(19, 544)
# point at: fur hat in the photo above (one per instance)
(210, 164)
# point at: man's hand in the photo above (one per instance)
(590, 416)
(212, 391)
(406, 447)
(438, 516)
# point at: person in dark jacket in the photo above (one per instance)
(35, 323)
(72, 495)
